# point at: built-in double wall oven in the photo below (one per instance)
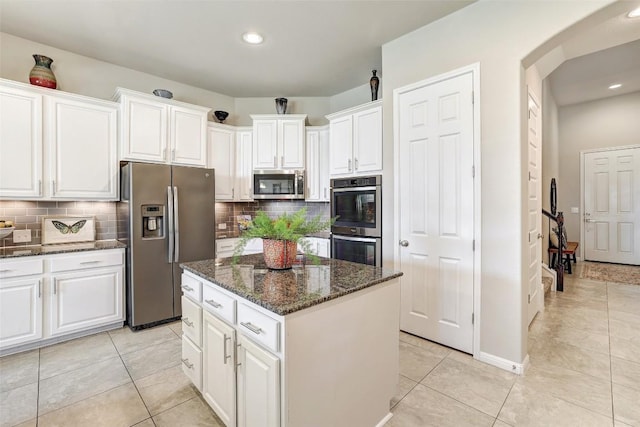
(357, 233)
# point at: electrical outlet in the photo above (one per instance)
(21, 236)
(222, 226)
(575, 210)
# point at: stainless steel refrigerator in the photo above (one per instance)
(166, 216)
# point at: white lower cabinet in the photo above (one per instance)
(219, 370)
(258, 386)
(50, 296)
(192, 362)
(319, 246)
(20, 311)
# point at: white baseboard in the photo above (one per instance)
(507, 365)
(384, 420)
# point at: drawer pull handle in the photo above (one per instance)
(186, 322)
(187, 364)
(5, 270)
(187, 288)
(256, 330)
(213, 303)
(90, 262)
(225, 356)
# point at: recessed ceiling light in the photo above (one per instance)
(634, 13)
(615, 86)
(252, 38)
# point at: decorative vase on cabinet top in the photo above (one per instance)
(374, 82)
(41, 74)
(281, 105)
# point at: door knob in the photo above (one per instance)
(404, 243)
(540, 235)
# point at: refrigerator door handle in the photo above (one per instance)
(170, 224)
(176, 225)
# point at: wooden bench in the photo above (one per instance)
(569, 255)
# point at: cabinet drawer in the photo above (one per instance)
(225, 246)
(21, 268)
(192, 320)
(192, 287)
(219, 303)
(192, 362)
(259, 327)
(92, 259)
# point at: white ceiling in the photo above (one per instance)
(311, 48)
(588, 77)
(598, 57)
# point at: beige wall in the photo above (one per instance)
(87, 76)
(498, 35)
(609, 122)
(550, 158)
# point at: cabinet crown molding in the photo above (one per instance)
(355, 109)
(55, 92)
(278, 116)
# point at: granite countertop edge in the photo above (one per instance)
(8, 252)
(283, 310)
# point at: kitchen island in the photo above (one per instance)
(311, 346)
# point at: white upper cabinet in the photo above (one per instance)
(278, 142)
(83, 160)
(160, 130)
(230, 155)
(56, 146)
(244, 165)
(222, 159)
(355, 140)
(317, 142)
(20, 143)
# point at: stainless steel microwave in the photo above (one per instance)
(278, 184)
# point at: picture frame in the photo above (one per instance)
(68, 229)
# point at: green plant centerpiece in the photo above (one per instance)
(281, 236)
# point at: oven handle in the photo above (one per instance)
(351, 189)
(356, 239)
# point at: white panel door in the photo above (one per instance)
(612, 206)
(341, 145)
(291, 144)
(20, 144)
(83, 154)
(244, 166)
(536, 294)
(188, 136)
(218, 368)
(145, 127)
(367, 140)
(258, 386)
(436, 211)
(222, 159)
(20, 311)
(265, 144)
(85, 299)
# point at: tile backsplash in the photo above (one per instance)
(27, 215)
(227, 212)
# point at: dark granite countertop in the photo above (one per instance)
(20, 251)
(286, 291)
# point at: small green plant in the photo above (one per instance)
(288, 226)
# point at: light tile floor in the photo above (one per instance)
(584, 371)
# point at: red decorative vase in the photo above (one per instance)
(41, 74)
(279, 254)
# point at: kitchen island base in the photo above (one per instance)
(315, 346)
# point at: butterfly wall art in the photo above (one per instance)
(67, 229)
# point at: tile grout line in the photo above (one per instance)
(131, 378)
(38, 393)
(613, 412)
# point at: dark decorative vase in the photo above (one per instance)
(41, 74)
(221, 115)
(374, 82)
(281, 105)
(279, 254)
